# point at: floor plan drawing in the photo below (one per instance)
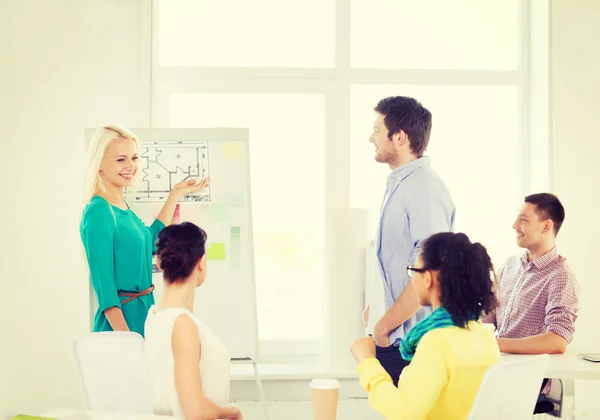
(164, 164)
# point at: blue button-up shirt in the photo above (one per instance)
(416, 205)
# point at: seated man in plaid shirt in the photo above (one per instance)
(538, 292)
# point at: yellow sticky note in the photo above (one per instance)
(233, 151)
(216, 251)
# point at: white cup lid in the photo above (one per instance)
(325, 384)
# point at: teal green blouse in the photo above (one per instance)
(119, 251)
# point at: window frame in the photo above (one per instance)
(335, 85)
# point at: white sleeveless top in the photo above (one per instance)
(214, 361)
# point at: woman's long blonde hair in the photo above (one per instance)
(93, 183)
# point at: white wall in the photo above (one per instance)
(575, 96)
(65, 65)
(576, 148)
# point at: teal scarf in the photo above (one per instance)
(440, 318)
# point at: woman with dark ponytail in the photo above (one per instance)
(450, 350)
(189, 366)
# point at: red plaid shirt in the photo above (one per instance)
(536, 297)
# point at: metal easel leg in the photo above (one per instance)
(261, 392)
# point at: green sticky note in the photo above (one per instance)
(216, 251)
(26, 417)
(218, 212)
(235, 248)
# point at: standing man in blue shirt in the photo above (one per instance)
(416, 205)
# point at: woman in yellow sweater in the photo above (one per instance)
(450, 350)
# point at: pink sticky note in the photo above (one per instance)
(176, 216)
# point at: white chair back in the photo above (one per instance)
(113, 373)
(509, 389)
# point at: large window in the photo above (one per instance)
(304, 77)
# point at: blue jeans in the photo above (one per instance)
(542, 397)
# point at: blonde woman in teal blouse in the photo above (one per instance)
(118, 245)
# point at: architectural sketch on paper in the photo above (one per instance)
(164, 164)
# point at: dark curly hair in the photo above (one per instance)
(179, 247)
(466, 275)
(403, 113)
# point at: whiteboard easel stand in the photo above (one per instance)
(259, 387)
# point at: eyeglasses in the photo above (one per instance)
(410, 270)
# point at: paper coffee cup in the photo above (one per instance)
(325, 395)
